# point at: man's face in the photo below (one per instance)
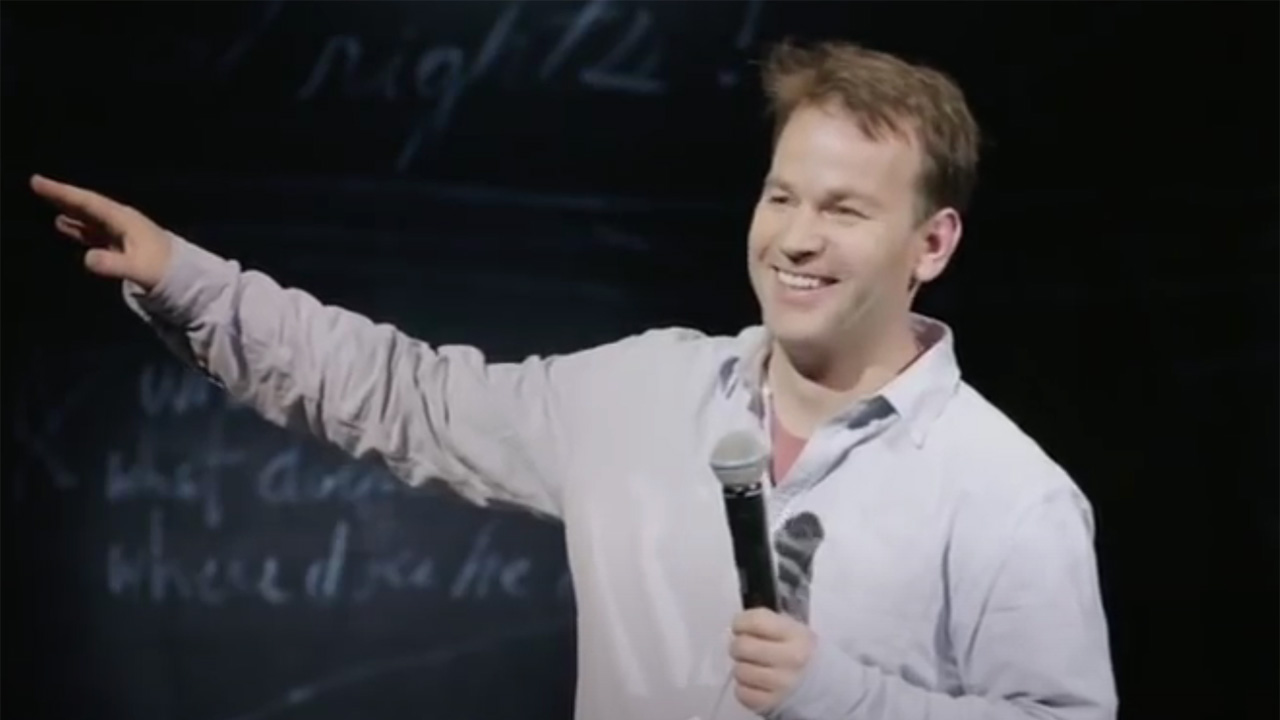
(836, 238)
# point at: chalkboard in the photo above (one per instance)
(452, 92)
(533, 177)
(228, 569)
(397, 159)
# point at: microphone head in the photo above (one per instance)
(739, 460)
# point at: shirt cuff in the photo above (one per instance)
(193, 279)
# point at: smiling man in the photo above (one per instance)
(933, 562)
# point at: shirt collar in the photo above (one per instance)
(917, 395)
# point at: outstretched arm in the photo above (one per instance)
(492, 431)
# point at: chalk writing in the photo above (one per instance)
(601, 45)
(362, 673)
(437, 74)
(440, 72)
(172, 389)
(357, 189)
(151, 572)
(177, 402)
(618, 69)
(486, 570)
(37, 440)
(284, 480)
(194, 460)
(239, 47)
(38, 423)
(729, 77)
(192, 478)
(606, 45)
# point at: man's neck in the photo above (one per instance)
(809, 390)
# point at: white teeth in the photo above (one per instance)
(799, 282)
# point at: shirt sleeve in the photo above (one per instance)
(491, 431)
(1036, 647)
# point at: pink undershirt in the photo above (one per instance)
(786, 448)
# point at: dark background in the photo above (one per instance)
(1115, 295)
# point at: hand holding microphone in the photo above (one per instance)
(770, 650)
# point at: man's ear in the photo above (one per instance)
(938, 239)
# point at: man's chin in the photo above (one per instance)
(800, 335)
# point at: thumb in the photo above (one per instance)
(107, 263)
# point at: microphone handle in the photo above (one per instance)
(752, 551)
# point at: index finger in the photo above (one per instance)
(762, 623)
(80, 202)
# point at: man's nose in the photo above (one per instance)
(802, 236)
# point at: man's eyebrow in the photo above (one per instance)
(836, 194)
(845, 193)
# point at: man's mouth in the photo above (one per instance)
(801, 281)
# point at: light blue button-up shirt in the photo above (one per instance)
(944, 561)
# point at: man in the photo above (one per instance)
(934, 562)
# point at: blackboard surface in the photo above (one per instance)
(534, 177)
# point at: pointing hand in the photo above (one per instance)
(122, 242)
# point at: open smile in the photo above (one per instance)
(801, 281)
(801, 289)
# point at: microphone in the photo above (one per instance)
(739, 462)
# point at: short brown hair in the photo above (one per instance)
(884, 93)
